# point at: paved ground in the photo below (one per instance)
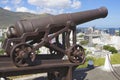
(97, 74)
(86, 74)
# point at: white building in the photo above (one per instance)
(106, 39)
(115, 40)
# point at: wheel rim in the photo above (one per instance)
(22, 55)
(76, 54)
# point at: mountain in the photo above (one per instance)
(8, 18)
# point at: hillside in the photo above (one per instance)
(8, 17)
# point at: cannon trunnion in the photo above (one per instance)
(27, 36)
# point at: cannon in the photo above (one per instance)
(28, 35)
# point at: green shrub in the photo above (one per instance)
(85, 42)
(110, 48)
(38, 51)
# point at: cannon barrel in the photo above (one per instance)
(30, 25)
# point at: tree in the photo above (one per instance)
(113, 50)
(109, 48)
(106, 47)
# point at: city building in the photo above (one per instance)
(82, 30)
(119, 31)
(106, 31)
(98, 38)
(112, 31)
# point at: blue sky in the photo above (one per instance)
(66, 6)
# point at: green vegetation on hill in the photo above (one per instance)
(9, 18)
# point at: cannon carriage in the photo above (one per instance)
(27, 36)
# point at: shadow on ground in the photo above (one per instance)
(78, 74)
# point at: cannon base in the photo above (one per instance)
(57, 69)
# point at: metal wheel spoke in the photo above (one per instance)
(32, 56)
(76, 58)
(16, 54)
(17, 49)
(20, 61)
(29, 49)
(22, 47)
(22, 55)
(76, 54)
(17, 58)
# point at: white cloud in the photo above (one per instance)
(53, 11)
(55, 3)
(55, 6)
(16, 1)
(76, 4)
(24, 9)
(43, 6)
(10, 1)
(7, 8)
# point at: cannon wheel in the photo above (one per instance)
(22, 55)
(76, 54)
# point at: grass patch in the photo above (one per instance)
(100, 61)
(96, 61)
(83, 66)
(86, 62)
(115, 58)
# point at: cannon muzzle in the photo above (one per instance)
(30, 25)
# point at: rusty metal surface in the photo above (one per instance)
(27, 36)
(31, 25)
(53, 66)
(44, 63)
(22, 53)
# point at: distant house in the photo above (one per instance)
(112, 31)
